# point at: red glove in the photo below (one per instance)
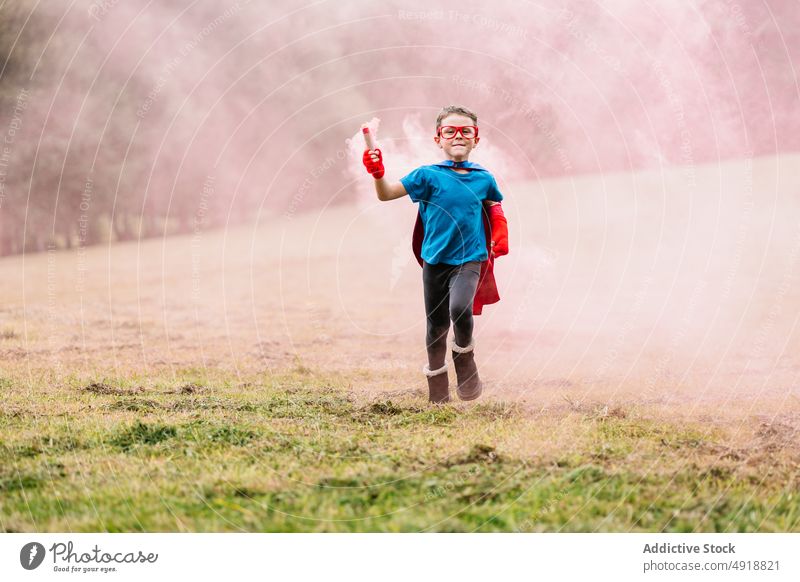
(497, 220)
(374, 168)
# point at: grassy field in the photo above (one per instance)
(300, 451)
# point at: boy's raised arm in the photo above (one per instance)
(388, 190)
(373, 161)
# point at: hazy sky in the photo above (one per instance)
(262, 96)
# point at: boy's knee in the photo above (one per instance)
(460, 312)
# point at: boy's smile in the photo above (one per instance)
(458, 148)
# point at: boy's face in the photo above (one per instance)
(458, 148)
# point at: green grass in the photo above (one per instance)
(300, 452)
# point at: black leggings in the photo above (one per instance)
(449, 291)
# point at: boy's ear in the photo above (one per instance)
(477, 139)
(437, 140)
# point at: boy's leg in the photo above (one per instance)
(437, 300)
(463, 284)
(462, 293)
(437, 312)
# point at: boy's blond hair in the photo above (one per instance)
(457, 109)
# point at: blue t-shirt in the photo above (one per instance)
(451, 206)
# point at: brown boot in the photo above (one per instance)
(469, 383)
(438, 384)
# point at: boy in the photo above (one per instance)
(451, 196)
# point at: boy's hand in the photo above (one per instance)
(373, 161)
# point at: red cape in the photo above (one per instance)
(486, 293)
